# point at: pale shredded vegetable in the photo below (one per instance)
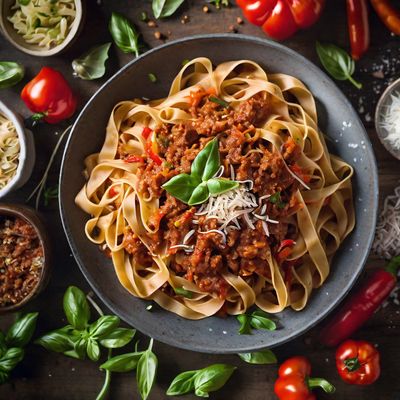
(9, 151)
(43, 22)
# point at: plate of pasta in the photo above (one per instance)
(227, 207)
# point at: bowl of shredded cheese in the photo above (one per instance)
(41, 27)
(387, 118)
(17, 151)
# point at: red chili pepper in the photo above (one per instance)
(388, 15)
(357, 19)
(358, 362)
(49, 96)
(149, 150)
(146, 132)
(360, 306)
(132, 159)
(280, 19)
(294, 382)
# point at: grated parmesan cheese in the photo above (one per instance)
(387, 236)
(391, 121)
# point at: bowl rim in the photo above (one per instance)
(5, 25)
(23, 151)
(378, 117)
(29, 215)
(374, 198)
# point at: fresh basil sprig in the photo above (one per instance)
(259, 357)
(91, 65)
(337, 62)
(13, 342)
(257, 319)
(202, 381)
(165, 8)
(10, 73)
(219, 3)
(197, 187)
(124, 34)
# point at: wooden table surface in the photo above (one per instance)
(43, 375)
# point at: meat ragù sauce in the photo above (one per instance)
(241, 251)
(21, 260)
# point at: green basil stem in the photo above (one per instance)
(358, 85)
(322, 383)
(107, 380)
(393, 266)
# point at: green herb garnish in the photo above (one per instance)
(276, 199)
(124, 34)
(183, 292)
(257, 320)
(216, 100)
(91, 65)
(152, 77)
(197, 187)
(143, 16)
(337, 62)
(165, 8)
(219, 3)
(202, 381)
(259, 357)
(10, 73)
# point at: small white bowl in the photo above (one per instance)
(33, 49)
(26, 158)
(381, 106)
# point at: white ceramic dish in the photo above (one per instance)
(380, 111)
(26, 155)
(19, 42)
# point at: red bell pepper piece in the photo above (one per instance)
(360, 306)
(149, 150)
(146, 132)
(132, 159)
(357, 19)
(358, 362)
(280, 19)
(49, 96)
(294, 381)
(112, 192)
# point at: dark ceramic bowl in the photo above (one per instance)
(216, 335)
(28, 214)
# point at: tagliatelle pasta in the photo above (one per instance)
(266, 241)
(9, 151)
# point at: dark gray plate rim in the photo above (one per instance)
(176, 342)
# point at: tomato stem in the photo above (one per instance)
(322, 383)
(393, 265)
(352, 364)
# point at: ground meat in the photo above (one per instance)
(21, 260)
(244, 252)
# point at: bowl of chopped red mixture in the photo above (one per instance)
(24, 256)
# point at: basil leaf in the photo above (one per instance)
(11, 358)
(259, 320)
(93, 349)
(80, 348)
(3, 346)
(199, 195)
(182, 383)
(206, 163)
(24, 2)
(118, 338)
(218, 101)
(10, 73)
(181, 186)
(91, 65)
(220, 185)
(146, 371)
(4, 377)
(245, 328)
(57, 341)
(103, 326)
(212, 378)
(21, 331)
(165, 8)
(122, 363)
(337, 62)
(183, 292)
(259, 357)
(76, 308)
(124, 34)
(72, 354)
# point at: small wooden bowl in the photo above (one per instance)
(30, 216)
(33, 49)
(382, 104)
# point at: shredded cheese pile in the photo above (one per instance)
(391, 121)
(9, 151)
(387, 236)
